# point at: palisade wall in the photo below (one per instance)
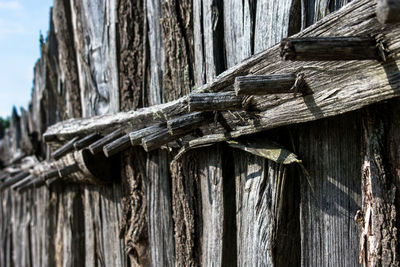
(215, 205)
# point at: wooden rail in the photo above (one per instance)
(333, 87)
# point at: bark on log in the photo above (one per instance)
(131, 49)
(265, 84)
(329, 48)
(378, 218)
(388, 11)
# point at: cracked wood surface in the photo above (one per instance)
(336, 87)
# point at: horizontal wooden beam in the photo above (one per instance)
(329, 48)
(97, 146)
(388, 11)
(335, 87)
(65, 149)
(265, 84)
(188, 122)
(215, 102)
(86, 141)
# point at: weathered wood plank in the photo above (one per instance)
(156, 53)
(273, 21)
(265, 236)
(68, 83)
(94, 29)
(239, 19)
(329, 234)
(373, 81)
(158, 195)
(209, 164)
(213, 43)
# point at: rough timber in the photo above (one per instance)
(337, 87)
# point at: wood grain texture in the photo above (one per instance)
(264, 194)
(68, 84)
(155, 93)
(239, 19)
(341, 93)
(273, 21)
(329, 234)
(161, 234)
(94, 28)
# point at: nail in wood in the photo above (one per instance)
(215, 102)
(65, 149)
(97, 146)
(264, 84)
(188, 122)
(388, 11)
(86, 141)
(329, 48)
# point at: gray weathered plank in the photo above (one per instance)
(94, 27)
(330, 149)
(161, 241)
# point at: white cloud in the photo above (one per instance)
(11, 5)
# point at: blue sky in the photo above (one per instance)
(21, 22)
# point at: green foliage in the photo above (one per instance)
(5, 123)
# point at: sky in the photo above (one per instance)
(21, 22)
